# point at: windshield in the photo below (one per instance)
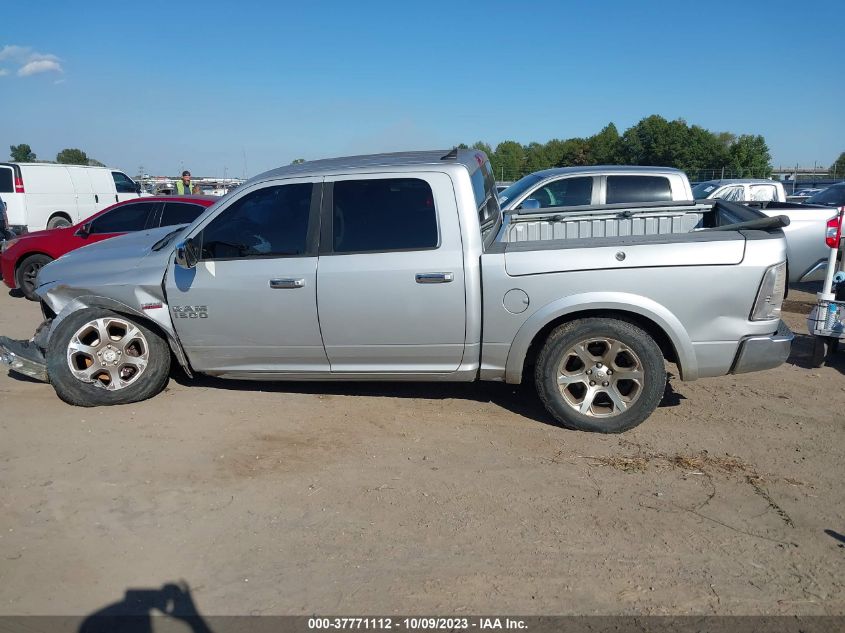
(831, 197)
(519, 187)
(703, 190)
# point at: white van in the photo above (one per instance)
(47, 195)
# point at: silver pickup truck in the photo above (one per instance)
(402, 267)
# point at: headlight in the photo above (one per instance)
(8, 244)
(770, 296)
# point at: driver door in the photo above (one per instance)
(250, 303)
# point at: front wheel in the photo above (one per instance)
(27, 273)
(602, 374)
(97, 357)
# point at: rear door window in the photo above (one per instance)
(180, 213)
(391, 214)
(763, 193)
(123, 219)
(632, 189)
(7, 180)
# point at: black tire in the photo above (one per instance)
(27, 271)
(58, 222)
(617, 403)
(824, 348)
(149, 381)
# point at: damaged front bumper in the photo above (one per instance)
(24, 357)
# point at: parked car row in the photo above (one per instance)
(404, 267)
(42, 196)
(23, 256)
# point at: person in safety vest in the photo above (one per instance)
(183, 186)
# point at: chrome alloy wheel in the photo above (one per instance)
(600, 377)
(111, 353)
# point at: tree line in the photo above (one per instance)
(70, 156)
(652, 141)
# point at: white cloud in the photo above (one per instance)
(29, 61)
(39, 66)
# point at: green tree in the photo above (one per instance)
(837, 169)
(484, 147)
(605, 146)
(72, 156)
(508, 161)
(93, 162)
(22, 153)
(749, 157)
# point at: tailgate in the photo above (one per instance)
(693, 249)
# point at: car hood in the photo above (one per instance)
(105, 262)
(47, 233)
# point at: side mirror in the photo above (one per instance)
(186, 254)
(83, 231)
(138, 188)
(530, 203)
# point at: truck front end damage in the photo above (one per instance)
(123, 275)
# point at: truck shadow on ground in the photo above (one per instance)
(135, 612)
(519, 399)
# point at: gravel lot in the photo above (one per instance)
(277, 498)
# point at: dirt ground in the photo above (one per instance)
(448, 499)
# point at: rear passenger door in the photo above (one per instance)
(390, 284)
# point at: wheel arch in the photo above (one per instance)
(107, 303)
(60, 214)
(663, 326)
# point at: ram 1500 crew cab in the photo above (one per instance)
(402, 267)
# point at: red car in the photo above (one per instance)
(24, 255)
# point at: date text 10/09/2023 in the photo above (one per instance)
(417, 623)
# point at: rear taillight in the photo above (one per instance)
(19, 185)
(833, 232)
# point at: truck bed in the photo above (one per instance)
(620, 221)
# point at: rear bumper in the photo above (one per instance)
(757, 353)
(25, 362)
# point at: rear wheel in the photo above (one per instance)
(27, 273)
(97, 357)
(602, 375)
(58, 222)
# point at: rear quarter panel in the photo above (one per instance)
(700, 301)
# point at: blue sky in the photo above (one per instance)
(250, 86)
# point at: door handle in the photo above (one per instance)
(96, 198)
(434, 278)
(115, 198)
(278, 284)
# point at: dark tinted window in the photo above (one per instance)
(383, 215)
(123, 183)
(129, 217)
(621, 189)
(832, 196)
(6, 180)
(567, 192)
(180, 213)
(269, 222)
(486, 195)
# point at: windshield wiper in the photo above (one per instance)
(166, 239)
